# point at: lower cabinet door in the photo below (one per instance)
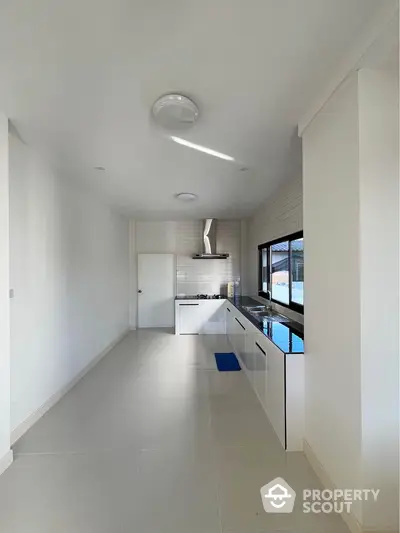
(229, 325)
(190, 318)
(260, 350)
(247, 354)
(213, 317)
(240, 339)
(234, 334)
(275, 393)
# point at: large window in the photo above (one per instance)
(281, 271)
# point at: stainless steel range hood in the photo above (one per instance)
(209, 241)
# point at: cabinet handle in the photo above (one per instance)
(240, 324)
(261, 350)
(228, 309)
(181, 305)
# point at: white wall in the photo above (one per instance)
(280, 215)
(350, 158)
(4, 299)
(331, 288)
(183, 238)
(70, 272)
(156, 237)
(379, 260)
(244, 256)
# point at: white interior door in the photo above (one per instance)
(156, 290)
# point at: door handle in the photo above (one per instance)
(259, 347)
(240, 324)
(181, 305)
(228, 309)
(139, 291)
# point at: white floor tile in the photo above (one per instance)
(177, 492)
(63, 493)
(154, 438)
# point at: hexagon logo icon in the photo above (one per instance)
(277, 496)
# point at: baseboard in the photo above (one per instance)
(20, 430)
(351, 521)
(6, 461)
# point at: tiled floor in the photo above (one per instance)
(154, 440)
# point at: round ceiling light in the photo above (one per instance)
(175, 112)
(186, 196)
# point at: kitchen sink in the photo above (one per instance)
(255, 308)
(262, 311)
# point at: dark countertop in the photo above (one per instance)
(287, 336)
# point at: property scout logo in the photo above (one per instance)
(279, 497)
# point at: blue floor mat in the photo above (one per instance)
(227, 362)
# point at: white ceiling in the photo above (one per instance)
(79, 78)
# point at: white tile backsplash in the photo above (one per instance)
(207, 276)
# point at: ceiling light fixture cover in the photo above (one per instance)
(186, 196)
(203, 149)
(175, 112)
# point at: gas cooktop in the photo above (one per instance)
(200, 297)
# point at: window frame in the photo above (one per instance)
(294, 306)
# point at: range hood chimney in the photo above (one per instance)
(209, 241)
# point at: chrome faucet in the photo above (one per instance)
(269, 299)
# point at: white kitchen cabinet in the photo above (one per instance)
(248, 355)
(214, 317)
(239, 338)
(190, 318)
(264, 365)
(193, 317)
(231, 325)
(276, 377)
(229, 318)
(260, 381)
(234, 333)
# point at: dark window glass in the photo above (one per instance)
(264, 267)
(281, 271)
(297, 261)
